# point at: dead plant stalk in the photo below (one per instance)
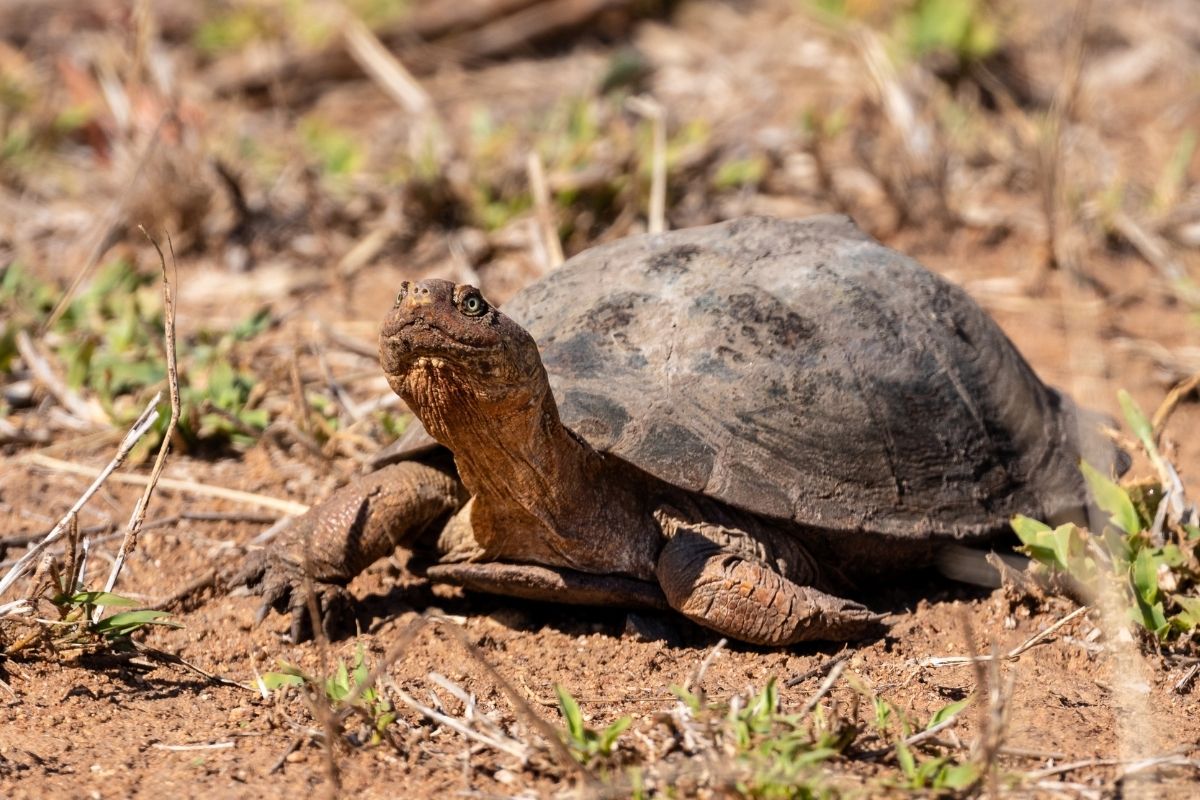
(139, 511)
(140, 426)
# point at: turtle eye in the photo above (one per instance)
(473, 305)
(403, 293)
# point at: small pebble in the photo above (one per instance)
(241, 714)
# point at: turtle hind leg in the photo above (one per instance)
(750, 601)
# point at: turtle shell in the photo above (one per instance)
(800, 370)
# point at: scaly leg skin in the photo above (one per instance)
(337, 539)
(749, 600)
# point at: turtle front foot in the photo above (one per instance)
(331, 543)
(283, 586)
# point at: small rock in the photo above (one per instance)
(240, 714)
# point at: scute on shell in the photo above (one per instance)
(800, 370)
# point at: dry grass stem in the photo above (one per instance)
(343, 398)
(507, 745)
(1178, 392)
(383, 67)
(1050, 160)
(143, 423)
(1011, 655)
(548, 230)
(651, 109)
(917, 738)
(319, 704)
(694, 681)
(399, 648)
(188, 487)
(139, 511)
(826, 686)
(1154, 249)
(820, 669)
(361, 254)
(521, 705)
(67, 397)
(1184, 683)
(1129, 766)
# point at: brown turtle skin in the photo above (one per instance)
(735, 422)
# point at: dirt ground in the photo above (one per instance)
(1073, 218)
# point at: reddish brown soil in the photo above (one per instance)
(96, 726)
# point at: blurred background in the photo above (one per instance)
(304, 157)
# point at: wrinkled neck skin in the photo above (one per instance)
(540, 493)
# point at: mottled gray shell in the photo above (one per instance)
(800, 370)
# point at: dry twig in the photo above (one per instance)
(383, 67)
(139, 511)
(67, 397)
(548, 231)
(189, 487)
(140, 426)
(1011, 655)
(652, 110)
(505, 745)
(826, 686)
(1163, 415)
(820, 669)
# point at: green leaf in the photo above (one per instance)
(1137, 422)
(361, 673)
(1111, 498)
(883, 712)
(904, 757)
(571, 714)
(276, 680)
(740, 172)
(957, 776)
(946, 712)
(1062, 538)
(689, 699)
(609, 736)
(1172, 556)
(1152, 617)
(384, 720)
(1144, 573)
(127, 622)
(253, 325)
(1189, 618)
(94, 599)
(1057, 548)
(1027, 528)
(338, 686)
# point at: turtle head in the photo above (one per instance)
(446, 350)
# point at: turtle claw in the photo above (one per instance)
(283, 587)
(334, 605)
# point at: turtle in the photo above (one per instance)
(739, 422)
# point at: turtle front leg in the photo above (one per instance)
(338, 538)
(748, 599)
